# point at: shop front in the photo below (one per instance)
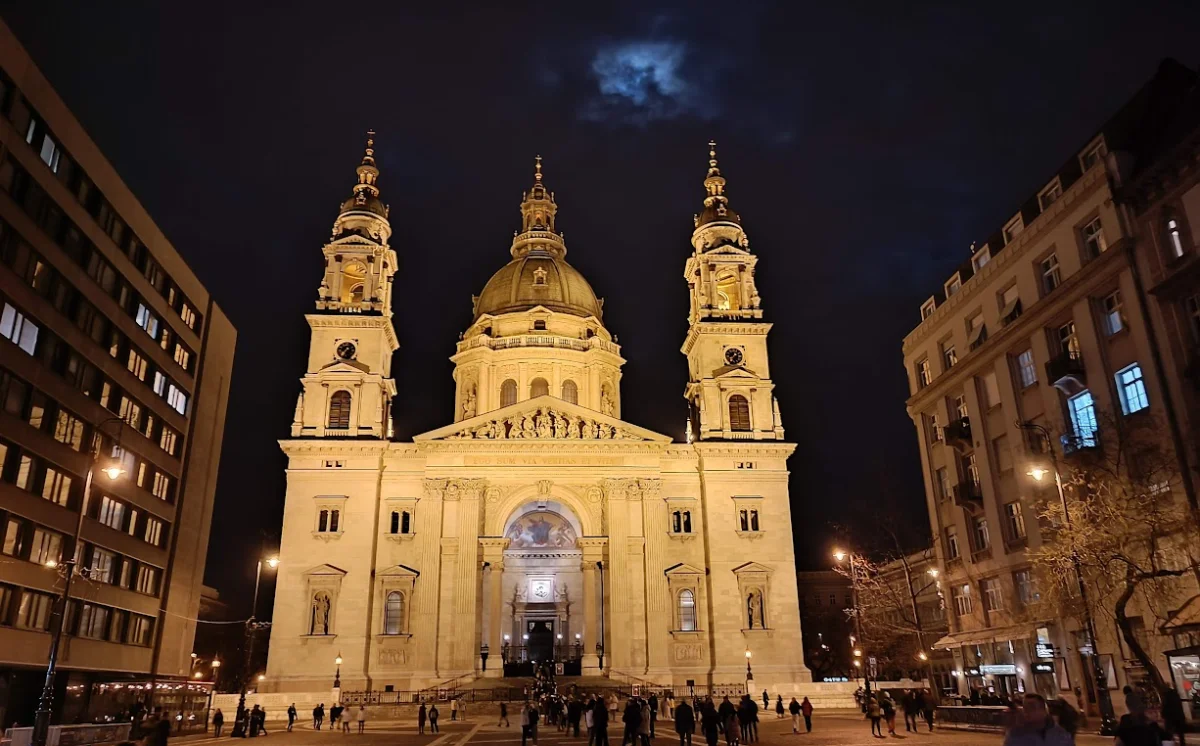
(1184, 661)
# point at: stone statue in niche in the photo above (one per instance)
(754, 610)
(468, 407)
(606, 402)
(544, 429)
(560, 593)
(519, 592)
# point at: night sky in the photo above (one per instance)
(866, 146)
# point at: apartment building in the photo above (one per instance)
(826, 627)
(111, 353)
(1042, 324)
(916, 605)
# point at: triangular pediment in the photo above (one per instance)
(544, 418)
(400, 571)
(734, 371)
(751, 567)
(326, 570)
(727, 248)
(683, 568)
(351, 367)
(356, 240)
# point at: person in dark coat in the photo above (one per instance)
(574, 713)
(218, 722)
(632, 719)
(318, 716)
(928, 705)
(912, 708)
(433, 718)
(806, 709)
(710, 722)
(422, 715)
(685, 722)
(794, 711)
(727, 713)
(600, 723)
(291, 716)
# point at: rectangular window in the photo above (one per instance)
(133, 522)
(139, 629)
(176, 398)
(1026, 369)
(25, 471)
(991, 390)
(962, 599)
(981, 258)
(993, 596)
(147, 579)
(971, 468)
(1093, 238)
(137, 365)
(1082, 409)
(56, 487)
(980, 535)
(154, 531)
(18, 329)
(924, 375)
(952, 551)
(1010, 304)
(1132, 389)
(34, 611)
(112, 513)
(1092, 155)
(188, 315)
(960, 406)
(168, 439)
(941, 483)
(927, 309)
(953, 285)
(93, 621)
(935, 430)
(1014, 520)
(1050, 194)
(68, 430)
(131, 412)
(949, 356)
(46, 547)
(103, 562)
(1023, 584)
(1068, 341)
(1114, 316)
(160, 383)
(1051, 276)
(162, 486)
(1013, 229)
(182, 356)
(147, 320)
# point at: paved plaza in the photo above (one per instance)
(839, 729)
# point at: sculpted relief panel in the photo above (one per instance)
(546, 423)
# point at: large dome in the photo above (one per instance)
(538, 278)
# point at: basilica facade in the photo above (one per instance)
(540, 524)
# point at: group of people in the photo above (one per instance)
(1033, 723)
(880, 708)
(337, 715)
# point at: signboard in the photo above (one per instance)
(1043, 650)
(873, 667)
(998, 669)
(1043, 667)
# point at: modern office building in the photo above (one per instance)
(1044, 324)
(112, 352)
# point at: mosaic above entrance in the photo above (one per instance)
(541, 530)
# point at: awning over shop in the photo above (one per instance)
(1187, 615)
(987, 636)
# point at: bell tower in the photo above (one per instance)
(729, 391)
(347, 391)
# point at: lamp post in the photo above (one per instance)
(749, 675)
(252, 626)
(1108, 720)
(337, 677)
(840, 555)
(113, 470)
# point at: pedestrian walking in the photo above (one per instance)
(685, 723)
(503, 715)
(589, 719)
(335, 714)
(291, 713)
(727, 713)
(1135, 729)
(318, 716)
(733, 730)
(345, 718)
(653, 702)
(806, 709)
(453, 710)
(600, 723)
(710, 722)
(362, 718)
(928, 705)
(422, 716)
(632, 717)
(644, 723)
(889, 712)
(875, 715)
(218, 722)
(794, 710)
(433, 718)
(766, 699)
(574, 714)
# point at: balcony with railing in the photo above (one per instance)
(539, 340)
(1081, 442)
(968, 494)
(958, 433)
(1065, 372)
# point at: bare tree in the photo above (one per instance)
(1122, 525)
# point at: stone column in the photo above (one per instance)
(493, 554)
(593, 552)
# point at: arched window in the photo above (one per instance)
(508, 393)
(393, 614)
(739, 413)
(395, 527)
(356, 293)
(322, 609)
(728, 295)
(339, 411)
(687, 611)
(1174, 240)
(538, 387)
(570, 392)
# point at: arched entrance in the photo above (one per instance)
(543, 581)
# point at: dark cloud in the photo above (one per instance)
(643, 81)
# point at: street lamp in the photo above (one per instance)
(337, 677)
(113, 470)
(841, 555)
(749, 673)
(1108, 720)
(252, 626)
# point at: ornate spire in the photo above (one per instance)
(538, 212)
(362, 210)
(716, 204)
(368, 174)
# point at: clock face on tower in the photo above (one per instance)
(346, 350)
(733, 356)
